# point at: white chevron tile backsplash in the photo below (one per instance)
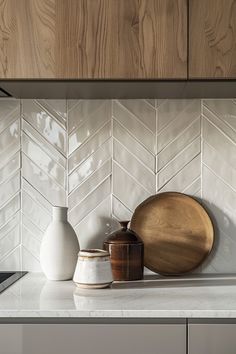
(102, 158)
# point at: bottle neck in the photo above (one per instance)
(59, 213)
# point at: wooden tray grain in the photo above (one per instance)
(176, 231)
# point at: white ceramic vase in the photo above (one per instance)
(59, 248)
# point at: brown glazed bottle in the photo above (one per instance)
(127, 251)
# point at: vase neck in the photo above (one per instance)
(59, 213)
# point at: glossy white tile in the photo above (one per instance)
(90, 147)
(135, 127)
(132, 145)
(92, 200)
(126, 189)
(41, 181)
(142, 111)
(45, 124)
(134, 167)
(89, 126)
(104, 157)
(85, 169)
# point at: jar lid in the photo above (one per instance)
(123, 236)
(91, 253)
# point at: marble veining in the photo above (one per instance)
(193, 297)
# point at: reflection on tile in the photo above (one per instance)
(56, 108)
(52, 191)
(43, 144)
(89, 184)
(90, 147)
(103, 158)
(10, 167)
(90, 202)
(81, 110)
(43, 160)
(95, 161)
(90, 125)
(9, 140)
(9, 112)
(46, 124)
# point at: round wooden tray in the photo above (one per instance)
(176, 231)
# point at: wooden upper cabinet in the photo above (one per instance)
(212, 39)
(93, 39)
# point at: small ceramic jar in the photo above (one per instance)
(126, 250)
(93, 269)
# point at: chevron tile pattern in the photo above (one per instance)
(44, 171)
(89, 169)
(10, 194)
(102, 158)
(219, 178)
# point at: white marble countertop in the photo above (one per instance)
(193, 297)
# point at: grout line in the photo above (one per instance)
(219, 177)
(112, 157)
(186, 147)
(137, 119)
(156, 167)
(128, 132)
(67, 155)
(201, 135)
(21, 199)
(179, 171)
(133, 155)
(91, 191)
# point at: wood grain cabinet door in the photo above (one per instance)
(92, 338)
(212, 39)
(93, 39)
(212, 338)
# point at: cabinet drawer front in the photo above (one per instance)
(212, 338)
(100, 39)
(212, 33)
(92, 338)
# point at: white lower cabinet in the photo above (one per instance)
(93, 338)
(212, 338)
